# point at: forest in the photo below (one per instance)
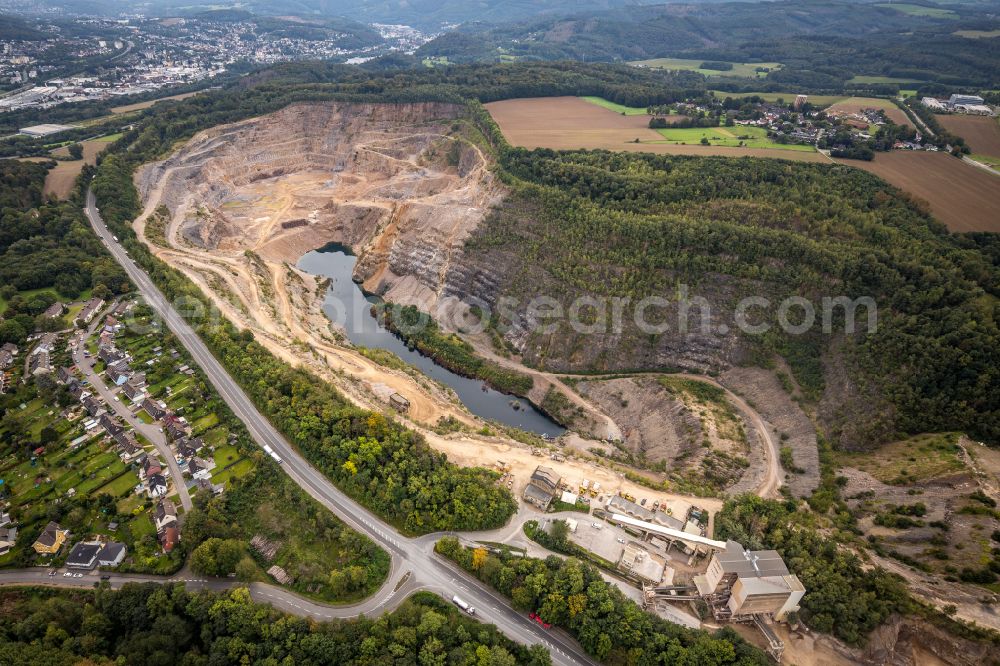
(637, 225)
(821, 48)
(165, 625)
(572, 595)
(46, 251)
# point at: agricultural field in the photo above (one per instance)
(981, 133)
(977, 34)
(617, 108)
(60, 179)
(569, 123)
(920, 10)
(856, 104)
(752, 137)
(880, 79)
(129, 108)
(742, 70)
(960, 195)
(815, 100)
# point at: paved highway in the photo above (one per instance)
(414, 565)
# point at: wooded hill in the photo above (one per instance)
(822, 44)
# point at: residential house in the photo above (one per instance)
(6, 359)
(136, 395)
(83, 555)
(118, 373)
(214, 488)
(111, 424)
(93, 405)
(8, 537)
(50, 540)
(154, 409)
(165, 514)
(128, 449)
(137, 380)
(110, 355)
(38, 363)
(199, 469)
(149, 466)
(188, 448)
(89, 311)
(4, 519)
(111, 555)
(10, 348)
(157, 484)
(54, 310)
(76, 389)
(169, 538)
(175, 428)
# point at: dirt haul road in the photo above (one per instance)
(397, 183)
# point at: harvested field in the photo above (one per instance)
(982, 133)
(815, 100)
(568, 123)
(128, 108)
(60, 179)
(961, 196)
(856, 104)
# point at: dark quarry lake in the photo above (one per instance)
(346, 304)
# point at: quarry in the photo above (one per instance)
(403, 186)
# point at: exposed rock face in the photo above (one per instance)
(394, 182)
(907, 642)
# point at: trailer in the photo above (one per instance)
(269, 451)
(463, 605)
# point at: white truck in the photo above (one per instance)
(463, 605)
(269, 451)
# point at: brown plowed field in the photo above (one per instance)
(568, 123)
(982, 133)
(964, 197)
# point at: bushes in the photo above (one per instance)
(165, 625)
(422, 333)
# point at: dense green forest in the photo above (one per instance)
(46, 251)
(821, 44)
(572, 595)
(158, 625)
(637, 225)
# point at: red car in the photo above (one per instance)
(539, 620)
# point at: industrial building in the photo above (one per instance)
(44, 130)
(740, 583)
(542, 487)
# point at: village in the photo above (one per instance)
(120, 442)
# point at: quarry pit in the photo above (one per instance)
(402, 185)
